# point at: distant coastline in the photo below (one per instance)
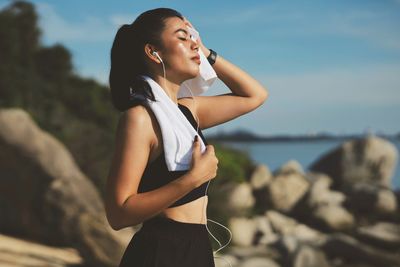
(248, 136)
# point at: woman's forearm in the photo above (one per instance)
(142, 206)
(238, 81)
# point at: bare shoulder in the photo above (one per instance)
(133, 147)
(135, 120)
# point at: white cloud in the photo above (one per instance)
(57, 28)
(374, 26)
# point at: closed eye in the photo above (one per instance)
(185, 39)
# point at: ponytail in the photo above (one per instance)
(126, 66)
(128, 57)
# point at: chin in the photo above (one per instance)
(195, 73)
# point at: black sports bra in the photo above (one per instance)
(156, 173)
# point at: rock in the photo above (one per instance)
(258, 262)
(321, 206)
(372, 199)
(264, 235)
(307, 256)
(247, 256)
(320, 193)
(334, 217)
(56, 199)
(224, 260)
(241, 199)
(284, 225)
(20, 253)
(253, 251)
(286, 190)
(386, 201)
(381, 234)
(261, 177)
(344, 246)
(290, 167)
(397, 194)
(287, 245)
(243, 230)
(371, 160)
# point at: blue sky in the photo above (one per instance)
(329, 66)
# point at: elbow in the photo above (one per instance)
(264, 96)
(114, 218)
(113, 222)
(118, 222)
(260, 99)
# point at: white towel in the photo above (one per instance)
(204, 80)
(177, 132)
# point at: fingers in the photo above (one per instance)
(210, 149)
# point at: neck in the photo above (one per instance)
(169, 86)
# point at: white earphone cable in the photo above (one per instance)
(204, 211)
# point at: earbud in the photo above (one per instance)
(156, 54)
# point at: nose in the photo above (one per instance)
(195, 45)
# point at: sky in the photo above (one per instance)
(329, 66)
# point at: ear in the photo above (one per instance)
(149, 49)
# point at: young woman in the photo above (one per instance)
(140, 188)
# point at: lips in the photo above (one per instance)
(196, 58)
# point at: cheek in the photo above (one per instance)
(180, 55)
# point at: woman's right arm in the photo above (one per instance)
(124, 206)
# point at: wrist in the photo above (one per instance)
(187, 181)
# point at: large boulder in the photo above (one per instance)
(334, 217)
(308, 256)
(265, 234)
(290, 167)
(261, 177)
(320, 192)
(286, 226)
(240, 199)
(370, 160)
(15, 252)
(243, 230)
(371, 199)
(287, 189)
(342, 246)
(381, 234)
(295, 252)
(322, 207)
(45, 197)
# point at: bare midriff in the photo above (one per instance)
(191, 212)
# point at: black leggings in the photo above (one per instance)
(163, 242)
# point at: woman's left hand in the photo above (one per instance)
(206, 51)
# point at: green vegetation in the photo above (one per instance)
(77, 111)
(42, 81)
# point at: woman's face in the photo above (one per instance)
(179, 50)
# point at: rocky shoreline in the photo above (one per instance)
(343, 212)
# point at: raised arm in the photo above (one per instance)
(246, 93)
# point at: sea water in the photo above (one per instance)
(275, 154)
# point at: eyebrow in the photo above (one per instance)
(181, 29)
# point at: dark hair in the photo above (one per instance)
(127, 57)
